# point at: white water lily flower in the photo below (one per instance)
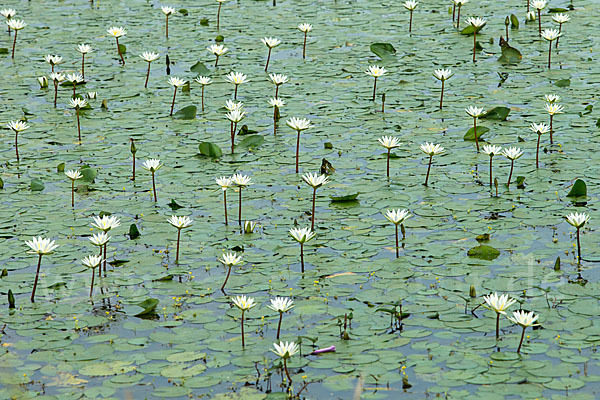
(302, 235)
(152, 164)
(57, 76)
(180, 222)
(75, 78)
(8, 13)
(410, 4)
(167, 10)
(92, 261)
(230, 259)
(241, 180)
(16, 24)
(99, 239)
(237, 78)
(551, 34)
(203, 80)
(561, 18)
(77, 103)
(553, 108)
(84, 48)
(270, 42)
(236, 116)
(314, 180)
(397, 216)
(475, 112)
(499, 303)
(376, 71)
(53, 60)
(539, 4)
(389, 142)
(231, 105)
(176, 82)
(552, 98)
(106, 222)
(491, 150)
(278, 79)
(243, 303)
(460, 2)
(512, 153)
(298, 124)
(73, 174)
(524, 318)
(217, 49)
(304, 27)
(540, 129)
(578, 220)
(443, 74)
(285, 350)
(249, 226)
(149, 56)
(224, 181)
(41, 246)
(476, 22)
(281, 304)
(17, 126)
(116, 32)
(276, 102)
(431, 149)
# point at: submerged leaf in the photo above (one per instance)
(470, 135)
(385, 51)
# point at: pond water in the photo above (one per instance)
(68, 345)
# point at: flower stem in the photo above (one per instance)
(297, 150)
(397, 243)
(491, 180)
(83, 66)
(232, 133)
(173, 103)
(279, 324)
(276, 91)
(147, 76)
(474, 41)
(99, 266)
(275, 121)
(388, 163)
(578, 248)
(167, 27)
(226, 278)
(428, 169)
(540, 21)
(549, 53)
(374, 89)
(177, 253)
(202, 98)
(312, 224)
(458, 17)
(410, 22)
(92, 285)
(304, 46)
(217, 57)
(225, 205)
(119, 50)
(497, 326)
(240, 208)
(55, 92)
(512, 165)
(17, 144)
(286, 371)
(442, 95)
(301, 259)
(475, 133)
(235, 92)
(72, 193)
(105, 244)
(219, 20)
(268, 59)
(559, 31)
(78, 124)
(551, 129)
(453, 11)
(133, 166)
(521, 342)
(537, 153)
(154, 187)
(37, 272)
(14, 43)
(243, 342)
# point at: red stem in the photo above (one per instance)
(226, 278)
(312, 224)
(397, 243)
(442, 95)
(147, 76)
(154, 187)
(537, 152)
(428, 169)
(243, 342)
(374, 88)
(177, 253)
(37, 272)
(512, 165)
(297, 150)
(202, 98)
(14, 43)
(78, 124)
(279, 324)
(173, 103)
(92, 285)
(73, 193)
(83, 65)
(240, 208)
(304, 46)
(225, 205)
(301, 260)
(268, 59)
(16, 143)
(119, 50)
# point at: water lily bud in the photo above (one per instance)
(133, 149)
(249, 226)
(472, 292)
(43, 81)
(507, 21)
(557, 264)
